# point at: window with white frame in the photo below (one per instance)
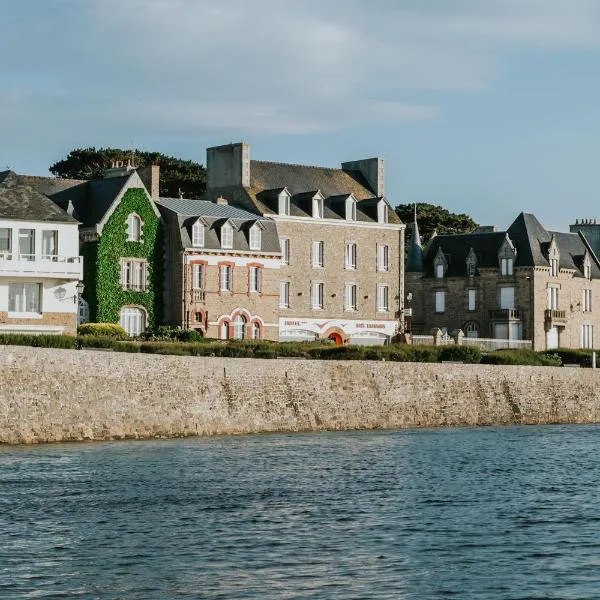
(285, 251)
(587, 336)
(224, 330)
(227, 236)
(5, 242)
(383, 304)
(350, 209)
(133, 320)
(472, 300)
(350, 262)
(439, 271)
(317, 207)
(255, 280)
(587, 267)
(383, 257)
(134, 228)
(382, 212)
(134, 274)
(24, 298)
(318, 295)
(239, 328)
(350, 296)
(27, 244)
(255, 237)
(552, 297)
(255, 330)
(318, 254)
(284, 204)
(198, 235)
(284, 294)
(586, 301)
(226, 278)
(506, 266)
(554, 267)
(198, 276)
(440, 301)
(507, 298)
(49, 244)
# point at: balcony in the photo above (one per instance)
(555, 318)
(34, 265)
(505, 314)
(199, 296)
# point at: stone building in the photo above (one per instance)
(342, 244)
(221, 269)
(40, 266)
(525, 283)
(120, 239)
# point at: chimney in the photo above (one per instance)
(228, 165)
(373, 171)
(150, 177)
(222, 201)
(118, 168)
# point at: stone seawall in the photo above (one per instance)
(51, 395)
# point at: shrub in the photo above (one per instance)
(572, 356)
(166, 333)
(102, 329)
(38, 341)
(467, 354)
(96, 341)
(521, 357)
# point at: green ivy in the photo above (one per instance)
(102, 262)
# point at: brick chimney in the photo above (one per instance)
(150, 177)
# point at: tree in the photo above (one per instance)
(432, 218)
(176, 175)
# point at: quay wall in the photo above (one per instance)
(49, 395)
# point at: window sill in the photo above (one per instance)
(349, 268)
(25, 315)
(318, 266)
(317, 308)
(383, 310)
(383, 270)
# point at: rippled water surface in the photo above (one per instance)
(466, 513)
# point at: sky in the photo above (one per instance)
(487, 107)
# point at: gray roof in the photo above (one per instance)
(184, 213)
(530, 239)
(23, 202)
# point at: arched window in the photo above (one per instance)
(133, 320)
(224, 330)
(226, 236)
(198, 235)
(255, 237)
(471, 329)
(255, 330)
(134, 228)
(239, 328)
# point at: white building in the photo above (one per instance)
(40, 266)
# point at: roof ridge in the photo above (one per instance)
(286, 164)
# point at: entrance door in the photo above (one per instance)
(552, 338)
(337, 338)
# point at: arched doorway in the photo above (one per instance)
(133, 320)
(336, 338)
(239, 328)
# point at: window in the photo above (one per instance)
(382, 298)
(382, 257)
(586, 303)
(49, 244)
(83, 311)
(554, 267)
(133, 320)
(199, 317)
(285, 251)
(350, 293)
(318, 293)
(317, 207)
(255, 330)
(198, 235)
(587, 336)
(587, 268)
(24, 298)
(506, 266)
(284, 204)
(254, 283)
(382, 213)
(350, 209)
(440, 301)
(27, 244)
(351, 256)
(318, 254)
(284, 294)
(507, 297)
(471, 269)
(224, 330)
(5, 241)
(439, 271)
(134, 274)
(472, 300)
(198, 275)
(226, 278)
(471, 329)
(134, 228)
(255, 237)
(239, 328)
(552, 298)
(227, 236)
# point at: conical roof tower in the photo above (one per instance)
(414, 259)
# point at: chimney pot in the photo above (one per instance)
(222, 201)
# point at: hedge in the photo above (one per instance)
(103, 329)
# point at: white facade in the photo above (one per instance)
(40, 267)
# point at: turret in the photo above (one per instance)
(414, 260)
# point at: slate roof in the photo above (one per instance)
(23, 202)
(530, 239)
(184, 213)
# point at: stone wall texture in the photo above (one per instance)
(51, 395)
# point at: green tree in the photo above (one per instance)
(176, 175)
(435, 218)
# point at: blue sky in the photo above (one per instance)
(487, 107)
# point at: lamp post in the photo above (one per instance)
(79, 291)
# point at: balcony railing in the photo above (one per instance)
(557, 317)
(49, 265)
(198, 296)
(505, 314)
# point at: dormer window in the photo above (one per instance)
(471, 263)
(227, 236)
(439, 265)
(587, 266)
(317, 207)
(350, 208)
(284, 203)
(134, 228)
(255, 237)
(553, 257)
(198, 235)
(382, 212)
(554, 267)
(506, 257)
